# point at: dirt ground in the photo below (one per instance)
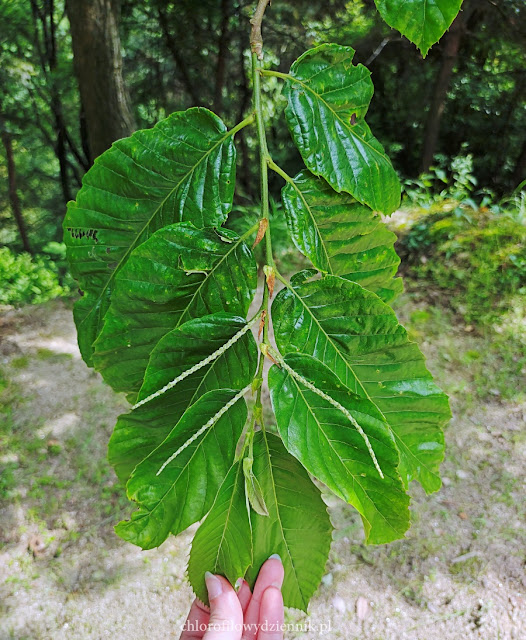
(459, 574)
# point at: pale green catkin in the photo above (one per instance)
(206, 426)
(335, 404)
(199, 365)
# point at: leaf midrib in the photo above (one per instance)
(355, 478)
(348, 365)
(355, 136)
(271, 471)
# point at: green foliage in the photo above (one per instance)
(187, 163)
(424, 22)
(476, 256)
(327, 99)
(318, 218)
(27, 280)
(166, 318)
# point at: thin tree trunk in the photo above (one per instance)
(451, 46)
(173, 47)
(98, 66)
(13, 194)
(222, 52)
(44, 14)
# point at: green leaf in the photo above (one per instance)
(297, 528)
(359, 338)
(172, 497)
(178, 274)
(330, 447)
(140, 431)
(181, 170)
(328, 98)
(222, 544)
(340, 236)
(423, 22)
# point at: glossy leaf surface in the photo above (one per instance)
(140, 431)
(178, 274)
(423, 22)
(327, 99)
(181, 170)
(359, 338)
(329, 446)
(182, 492)
(297, 527)
(340, 236)
(222, 544)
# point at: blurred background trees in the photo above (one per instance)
(77, 74)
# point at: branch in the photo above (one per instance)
(256, 39)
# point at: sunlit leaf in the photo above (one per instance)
(359, 338)
(222, 543)
(178, 274)
(327, 99)
(172, 497)
(423, 22)
(340, 236)
(330, 447)
(181, 170)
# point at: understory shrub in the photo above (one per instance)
(28, 280)
(477, 256)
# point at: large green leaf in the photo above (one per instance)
(140, 431)
(330, 447)
(178, 274)
(181, 170)
(341, 236)
(297, 528)
(184, 490)
(359, 338)
(328, 98)
(423, 22)
(222, 544)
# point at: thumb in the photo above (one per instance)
(226, 615)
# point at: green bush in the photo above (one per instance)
(477, 256)
(28, 280)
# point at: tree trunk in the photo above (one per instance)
(222, 52)
(451, 46)
(98, 66)
(173, 47)
(13, 195)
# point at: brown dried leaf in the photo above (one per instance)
(263, 226)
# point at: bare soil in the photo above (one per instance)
(459, 574)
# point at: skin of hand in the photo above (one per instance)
(242, 615)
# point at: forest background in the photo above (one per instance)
(76, 75)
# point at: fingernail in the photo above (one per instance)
(213, 585)
(239, 584)
(275, 556)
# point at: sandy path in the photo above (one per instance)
(460, 574)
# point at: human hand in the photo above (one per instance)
(242, 615)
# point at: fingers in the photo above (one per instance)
(226, 615)
(197, 621)
(270, 575)
(271, 615)
(244, 594)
